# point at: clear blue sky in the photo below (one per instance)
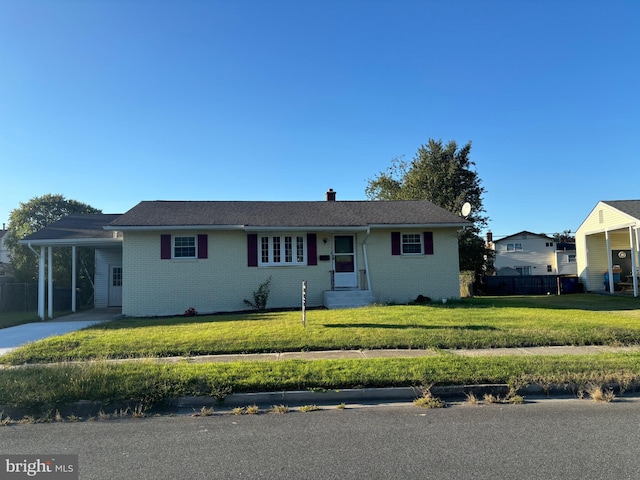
(114, 102)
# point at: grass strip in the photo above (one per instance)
(151, 383)
(11, 319)
(474, 323)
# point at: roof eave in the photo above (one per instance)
(259, 228)
(155, 228)
(421, 225)
(72, 242)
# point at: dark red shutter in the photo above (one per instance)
(428, 243)
(312, 249)
(395, 243)
(165, 247)
(203, 246)
(252, 250)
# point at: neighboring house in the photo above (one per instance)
(527, 253)
(5, 259)
(163, 257)
(607, 244)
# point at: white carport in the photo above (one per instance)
(607, 243)
(70, 232)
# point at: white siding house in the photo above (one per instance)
(607, 247)
(108, 277)
(533, 254)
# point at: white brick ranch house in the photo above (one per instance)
(163, 257)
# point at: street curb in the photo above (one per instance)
(355, 396)
(336, 397)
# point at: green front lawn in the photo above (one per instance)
(488, 322)
(471, 323)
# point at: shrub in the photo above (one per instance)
(260, 296)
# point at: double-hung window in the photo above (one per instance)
(514, 247)
(411, 244)
(184, 247)
(282, 250)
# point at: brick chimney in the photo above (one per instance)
(489, 236)
(331, 195)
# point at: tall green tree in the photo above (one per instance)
(444, 175)
(34, 215)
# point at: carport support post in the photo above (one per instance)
(609, 262)
(41, 284)
(50, 282)
(73, 279)
(634, 258)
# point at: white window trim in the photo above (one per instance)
(282, 239)
(515, 247)
(173, 247)
(402, 244)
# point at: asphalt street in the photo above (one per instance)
(549, 439)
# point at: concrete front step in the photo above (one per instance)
(335, 299)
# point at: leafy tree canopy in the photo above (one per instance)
(564, 237)
(444, 175)
(34, 215)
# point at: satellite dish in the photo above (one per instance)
(466, 209)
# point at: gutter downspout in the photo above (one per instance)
(366, 258)
(40, 279)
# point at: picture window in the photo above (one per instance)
(277, 250)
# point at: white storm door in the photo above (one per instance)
(344, 261)
(115, 285)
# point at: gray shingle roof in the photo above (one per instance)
(75, 227)
(285, 214)
(630, 207)
(524, 232)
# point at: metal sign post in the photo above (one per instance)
(304, 303)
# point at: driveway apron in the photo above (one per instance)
(13, 337)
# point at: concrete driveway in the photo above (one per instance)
(12, 337)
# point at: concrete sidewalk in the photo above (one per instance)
(370, 354)
(392, 353)
(12, 337)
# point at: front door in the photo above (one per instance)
(344, 261)
(622, 259)
(115, 285)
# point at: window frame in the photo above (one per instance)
(175, 247)
(515, 247)
(282, 249)
(405, 243)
